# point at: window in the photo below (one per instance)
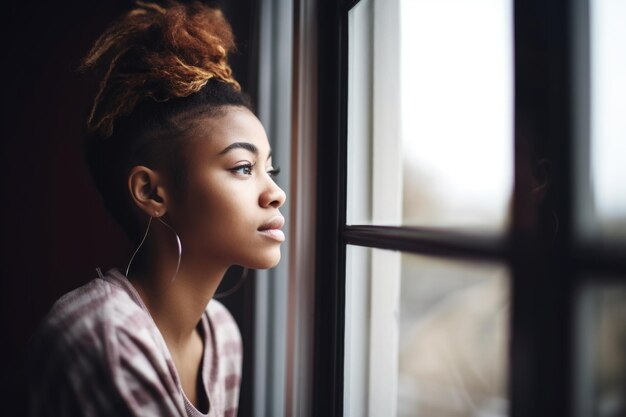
(470, 224)
(428, 335)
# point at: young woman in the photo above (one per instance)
(185, 167)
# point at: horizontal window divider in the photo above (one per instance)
(425, 241)
(601, 260)
(609, 262)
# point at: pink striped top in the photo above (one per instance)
(99, 353)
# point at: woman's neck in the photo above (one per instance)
(176, 300)
(178, 309)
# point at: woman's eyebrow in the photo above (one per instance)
(244, 145)
(241, 145)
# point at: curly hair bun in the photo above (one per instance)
(158, 51)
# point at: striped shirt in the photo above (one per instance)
(99, 353)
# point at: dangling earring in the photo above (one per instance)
(139, 247)
(244, 275)
(180, 246)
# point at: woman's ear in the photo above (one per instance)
(147, 190)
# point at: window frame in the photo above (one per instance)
(550, 29)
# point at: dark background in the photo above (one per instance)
(54, 229)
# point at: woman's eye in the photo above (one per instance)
(273, 172)
(243, 169)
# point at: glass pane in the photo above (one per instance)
(607, 124)
(454, 334)
(601, 343)
(425, 336)
(445, 158)
(457, 112)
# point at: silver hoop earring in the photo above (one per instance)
(145, 235)
(244, 275)
(143, 239)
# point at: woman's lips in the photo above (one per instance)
(271, 229)
(275, 234)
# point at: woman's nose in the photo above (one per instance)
(272, 196)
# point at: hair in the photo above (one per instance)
(163, 66)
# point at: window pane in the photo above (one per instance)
(453, 338)
(430, 117)
(601, 343)
(425, 336)
(607, 125)
(457, 112)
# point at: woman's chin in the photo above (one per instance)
(267, 261)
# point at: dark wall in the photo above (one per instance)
(54, 230)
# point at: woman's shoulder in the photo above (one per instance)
(98, 347)
(87, 318)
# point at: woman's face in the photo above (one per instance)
(229, 213)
